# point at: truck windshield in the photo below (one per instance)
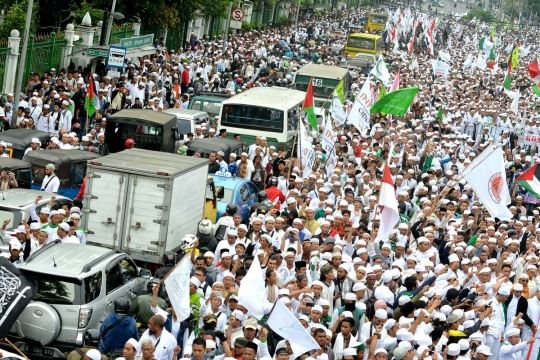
(184, 126)
(56, 290)
(378, 19)
(253, 118)
(361, 42)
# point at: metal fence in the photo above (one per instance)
(44, 53)
(4, 52)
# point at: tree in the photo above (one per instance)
(15, 19)
(480, 14)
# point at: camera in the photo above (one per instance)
(275, 250)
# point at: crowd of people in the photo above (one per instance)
(450, 282)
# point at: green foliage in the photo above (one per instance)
(84, 7)
(15, 19)
(480, 14)
(250, 26)
(283, 20)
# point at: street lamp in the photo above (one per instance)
(106, 35)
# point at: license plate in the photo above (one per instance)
(34, 350)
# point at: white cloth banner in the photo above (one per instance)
(252, 294)
(440, 68)
(305, 151)
(286, 325)
(487, 176)
(177, 285)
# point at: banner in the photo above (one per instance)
(395, 103)
(487, 176)
(252, 294)
(17, 291)
(440, 68)
(286, 325)
(177, 285)
(305, 151)
(531, 139)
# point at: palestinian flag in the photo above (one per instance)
(309, 106)
(91, 103)
(536, 90)
(508, 78)
(530, 180)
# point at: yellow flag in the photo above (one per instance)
(340, 91)
(515, 57)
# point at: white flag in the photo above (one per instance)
(445, 56)
(328, 138)
(331, 163)
(252, 294)
(381, 72)
(336, 110)
(286, 325)
(440, 68)
(481, 61)
(359, 115)
(514, 107)
(305, 151)
(487, 176)
(177, 285)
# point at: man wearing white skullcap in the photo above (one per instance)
(512, 347)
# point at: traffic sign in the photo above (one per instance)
(293, 9)
(117, 56)
(113, 74)
(236, 24)
(237, 14)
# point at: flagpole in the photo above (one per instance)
(178, 263)
(292, 150)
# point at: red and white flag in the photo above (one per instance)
(395, 85)
(388, 205)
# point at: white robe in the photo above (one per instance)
(533, 311)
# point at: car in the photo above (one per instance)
(15, 204)
(77, 287)
(241, 192)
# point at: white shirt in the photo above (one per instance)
(164, 345)
(70, 240)
(52, 186)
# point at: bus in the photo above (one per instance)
(272, 112)
(324, 79)
(376, 21)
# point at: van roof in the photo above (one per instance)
(270, 97)
(186, 113)
(322, 71)
(68, 260)
(159, 117)
(147, 162)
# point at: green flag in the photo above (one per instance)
(481, 43)
(536, 90)
(396, 103)
(439, 114)
(382, 92)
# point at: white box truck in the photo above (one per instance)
(143, 202)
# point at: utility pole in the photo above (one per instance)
(22, 63)
(227, 28)
(109, 23)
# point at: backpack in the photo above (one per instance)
(370, 306)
